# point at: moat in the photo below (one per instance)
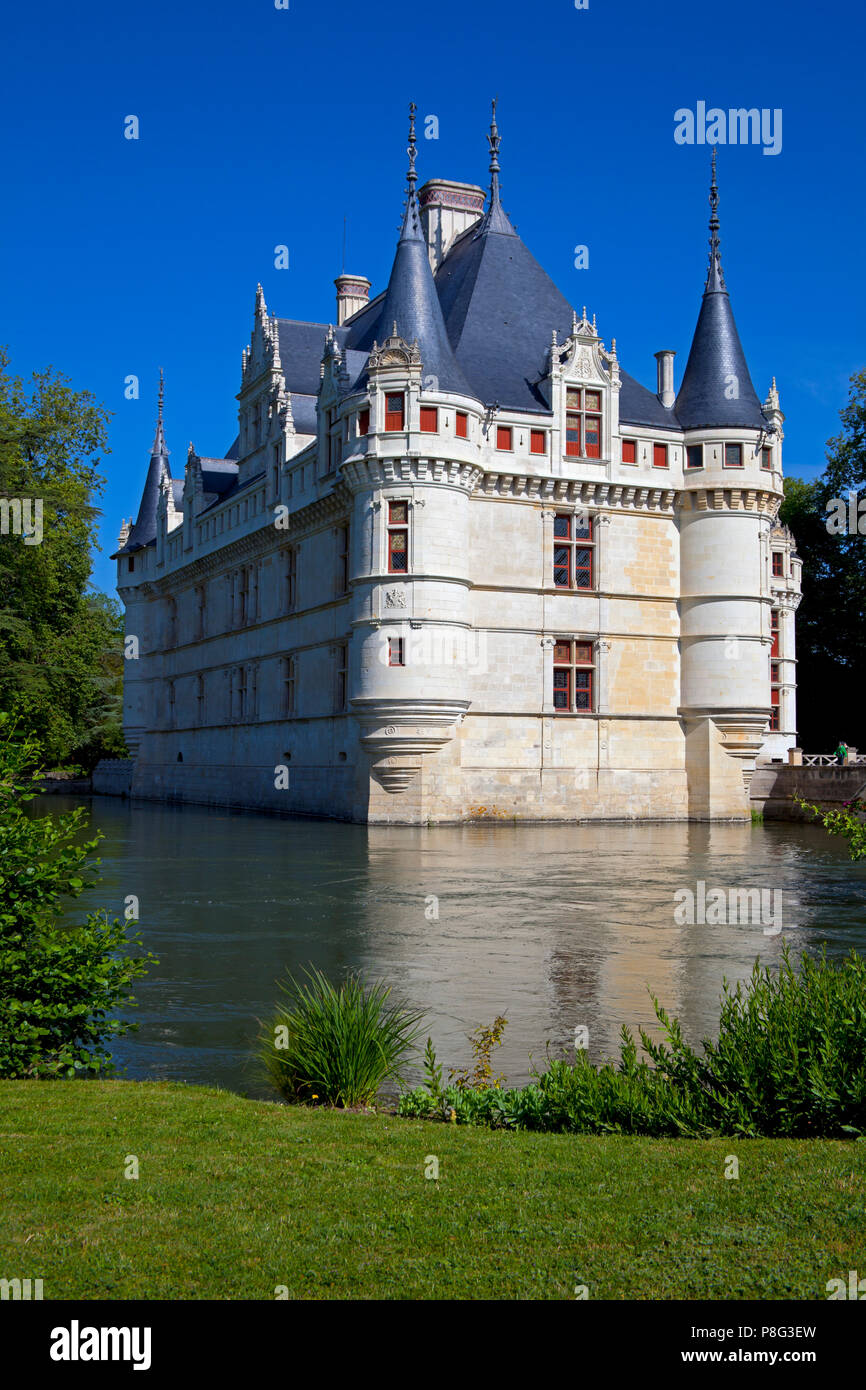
(557, 927)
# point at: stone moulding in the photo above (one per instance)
(397, 732)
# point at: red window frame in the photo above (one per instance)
(573, 671)
(503, 437)
(778, 564)
(691, 451)
(364, 420)
(767, 458)
(538, 441)
(396, 651)
(573, 551)
(774, 709)
(733, 456)
(660, 456)
(398, 537)
(429, 419)
(461, 425)
(582, 423)
(774, 631)
(395, 403)
(629, 451)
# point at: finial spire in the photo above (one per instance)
(159, 437)
(715, 276)
(493, 140)
(412, 177)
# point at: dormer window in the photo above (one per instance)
(394, 410)
(583, 423)
(503, 436)
(429, 419)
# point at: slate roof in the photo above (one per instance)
(144, 531)
(715, 359)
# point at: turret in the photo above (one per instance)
(411, 475)
(726, 509)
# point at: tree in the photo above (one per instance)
(60, 986)
(60, 642)
(831, 669)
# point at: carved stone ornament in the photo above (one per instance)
(395, 598)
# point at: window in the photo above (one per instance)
(289, 682)
(396, 653)
(629, 451)
(694, 456)
(394, 411)
(131, 563)
(774, 672)
(342, 560)
(461, 425)
(398, 537)
(733, 455)
(199, 700)
(775, 724)
(199, 611)
(503, 436)
(537, 442)
(275, 469)
(171, 704)
(766, 458)
(778, 564)
(583, 423)
(290, 578)
(429, 419)
(774, 631)
(342, 662)
(573, 544)
(334, 444)
(364, 420)
(572, 675)
(660, 456)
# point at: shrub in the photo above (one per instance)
(849, 823)
(337, 1045)
(59, 986)
(790, 1060)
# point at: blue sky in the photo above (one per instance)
(261, 127)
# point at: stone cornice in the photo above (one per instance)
(370, 473)
(730, 499)
(579, 492)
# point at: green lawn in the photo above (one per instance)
(236, 1197)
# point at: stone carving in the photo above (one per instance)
(395, 598)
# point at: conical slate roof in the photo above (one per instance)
(716, 389)
(144, 530)
(412, 304)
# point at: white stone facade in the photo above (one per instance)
(285, 656)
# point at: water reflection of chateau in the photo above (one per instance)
(458, 562)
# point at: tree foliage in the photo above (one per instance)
(60, 642)
(831, 671)
(60, 986)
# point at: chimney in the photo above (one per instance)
(665, 364)
(353, 292)
(447, 209)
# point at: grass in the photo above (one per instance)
(236, 1197)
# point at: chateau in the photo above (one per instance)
(458, 564)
